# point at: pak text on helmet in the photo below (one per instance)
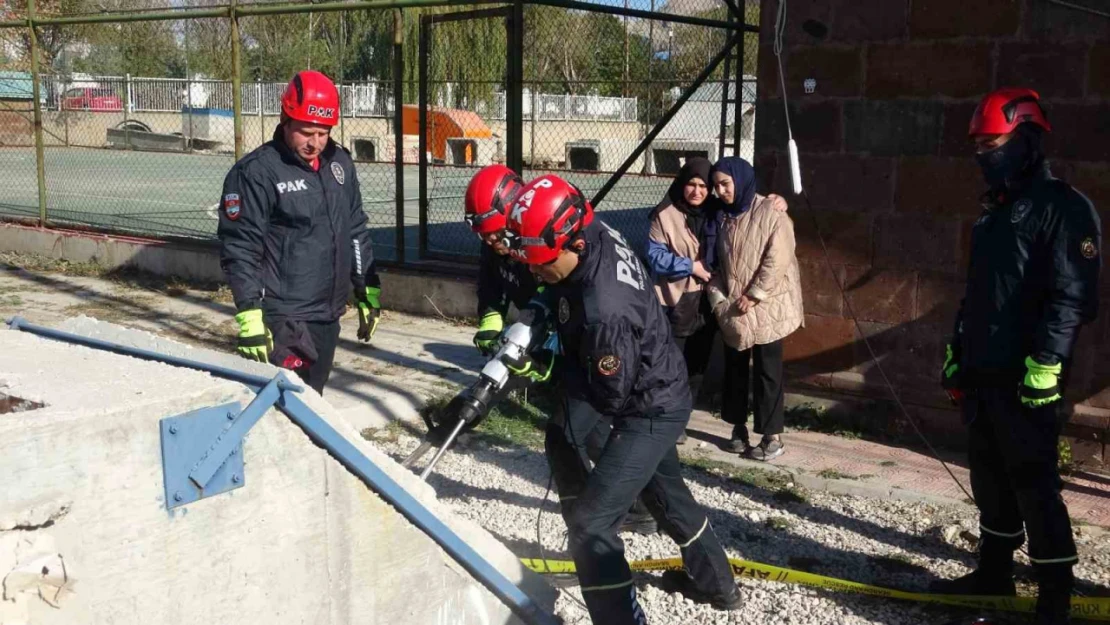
(488, 197)
(311, 97)
(545, 218)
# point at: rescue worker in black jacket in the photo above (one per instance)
(294, 239)
(503, 281)
(617, 354)
(1031, 284)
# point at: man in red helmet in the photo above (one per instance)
(503, 281)
(294, 238)
(618, 356)
(1031, 283)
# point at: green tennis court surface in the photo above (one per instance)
(168, 194)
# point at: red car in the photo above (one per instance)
(91, 99)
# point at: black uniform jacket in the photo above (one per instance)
(618, 353)
(1032, 280)
(294, 241)
(503, 281)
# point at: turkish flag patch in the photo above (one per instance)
(231, 206)
(609, 365)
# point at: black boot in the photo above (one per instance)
(639, 520)
(680, 582)
(643, 524)
(1054, 586)
(993, 577)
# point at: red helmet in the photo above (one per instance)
(546, 216)
(488, 197)
(311, 97)
(1001, 111)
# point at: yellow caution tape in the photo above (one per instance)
(1081, 607)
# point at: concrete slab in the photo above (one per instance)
(303, 541)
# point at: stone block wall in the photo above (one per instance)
(888, 167)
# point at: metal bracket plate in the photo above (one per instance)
(186, 440)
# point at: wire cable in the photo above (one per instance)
(871, 352)
(780, 29)
(1079, 7)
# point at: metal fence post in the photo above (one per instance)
(398, 128)
(514, 91)
(127, 108)
(422, 133)
(236, 82)
(36, 94)
(187, 137)
(534, 115)
(261, 112)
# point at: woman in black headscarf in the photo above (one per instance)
(681, 246)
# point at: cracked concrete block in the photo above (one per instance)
(302, 541)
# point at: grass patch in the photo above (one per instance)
(172, 286)
(1065, 461)
(791, 494)
(10, 301)
(833, 474)
(759, 478)
(389, 434)
(39, 262)
(513, 421)
(888, 463)
(858, 424)
(779, 524)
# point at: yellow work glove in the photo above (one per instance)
(255, 341)
(369, 312)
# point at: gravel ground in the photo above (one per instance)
(890, 543)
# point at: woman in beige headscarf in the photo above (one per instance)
(757, 299)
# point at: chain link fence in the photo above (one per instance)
(139, 118)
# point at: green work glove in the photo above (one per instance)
(950, 375)
(536, 367)
(255, 340)
(489, 331)
(369, 312)
(1042, 384)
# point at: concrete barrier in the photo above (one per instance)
(85, 535)
(416, 292)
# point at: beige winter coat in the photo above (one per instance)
(755, 254)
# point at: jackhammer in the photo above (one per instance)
(468, 408)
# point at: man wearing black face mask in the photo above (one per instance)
(1032, 282)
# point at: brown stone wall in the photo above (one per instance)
(888, 167)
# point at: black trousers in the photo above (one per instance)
(697, 347)
(325, 338)
(765, 384)
(584, 432)
(1012, 454)
(639, 456)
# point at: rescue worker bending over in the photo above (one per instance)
(1031, 283)
(294, 239)
(618, 356)
(501, 281)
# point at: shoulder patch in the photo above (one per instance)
(609, 365)
(1088, 248)
(337, 171)
(1020, 210)
(231, 206)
